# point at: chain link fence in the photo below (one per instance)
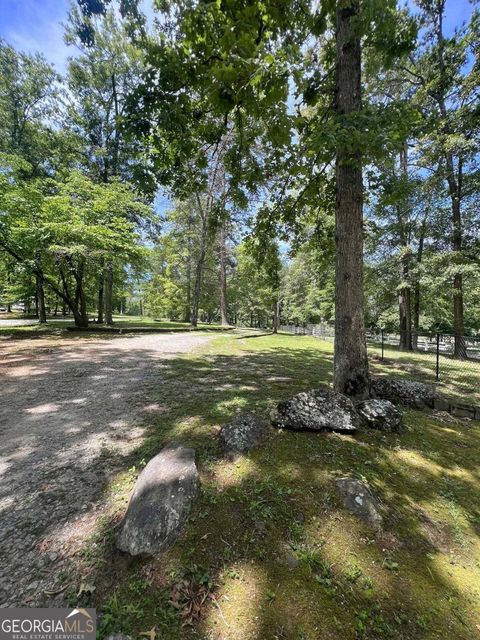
(436, 357)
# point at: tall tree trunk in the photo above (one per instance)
(404, 293)
(187, 316)
(350, 357)
(9, 281)
(405, 315)
(417, 289)
(108, 292)
(80, 317)
(416, 315)
(80, 307)
(458, 320)
(222, 251)
(454, 180)
(197, 289)
(276, 315)
(101, 301)
(42, 312)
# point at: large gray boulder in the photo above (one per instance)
(241, 433)
(379, 414)
(317, 410)
(359, 499)
(160, 502)
(407, 392)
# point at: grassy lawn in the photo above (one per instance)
(269, 552)
(60, 327)
(459, 378)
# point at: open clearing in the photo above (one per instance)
(269, 552)
(68, 410)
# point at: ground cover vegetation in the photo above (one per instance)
(320, 164)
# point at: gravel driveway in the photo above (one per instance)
(62, 407)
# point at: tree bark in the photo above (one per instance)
(197, 289)
(454, 181)
(350, 356)
(276, 315)
(108, 292)
(187, 316)
(458, 319)
(404, 294)
(42, 312)
(188, 303)
(417, 290)
(405, 316)
(222, 250)
(80, 306)
(101, 301)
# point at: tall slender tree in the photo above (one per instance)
(350, 359)
(100, 80)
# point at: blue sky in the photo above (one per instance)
(36, 25)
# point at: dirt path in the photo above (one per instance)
(66, 410)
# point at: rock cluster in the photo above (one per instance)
(326, 410)
(160, 502)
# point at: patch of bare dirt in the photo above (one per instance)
(68, 410)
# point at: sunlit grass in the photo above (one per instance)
(418, 580)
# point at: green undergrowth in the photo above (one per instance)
(269, 551)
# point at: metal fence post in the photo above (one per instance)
(382, 342)
(437, 370)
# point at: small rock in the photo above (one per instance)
(317, 410)
(242, 433)
(299, 518)
(441, 404)
(160, 502)
(379, 414)
(463, 411)
(359, 499)
(260, 528)
(288, 558)
(291, 561)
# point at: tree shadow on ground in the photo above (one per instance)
(268, 535)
